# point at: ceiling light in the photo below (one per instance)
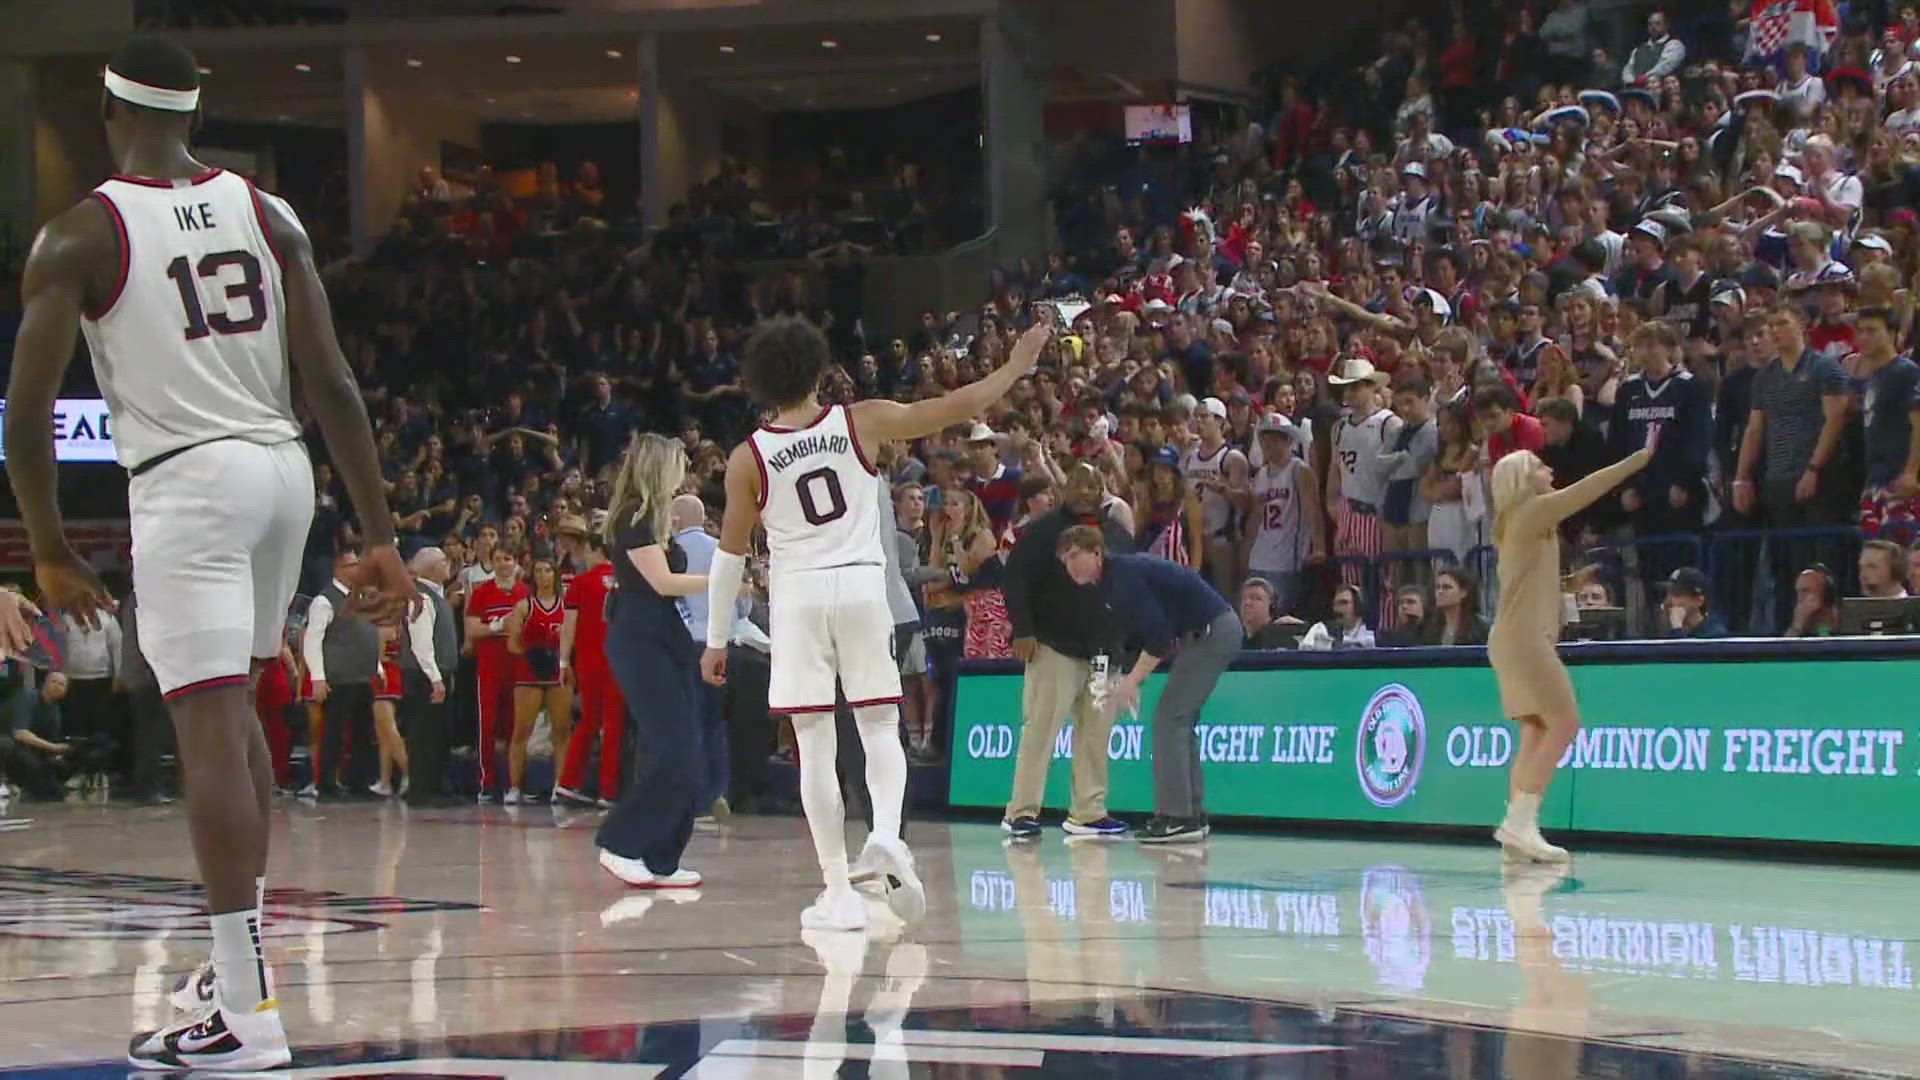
(413, 61)
(727, 49)
(829, 43)
(285, 119)
(206, 71)
(489, 101)
(614, 54)
(933, 39)
(777, 88)
(303, 67)
(512, 59)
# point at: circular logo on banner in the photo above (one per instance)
(1392, 745)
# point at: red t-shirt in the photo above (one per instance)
(1525, 433)
(587, 595)
(488, 601)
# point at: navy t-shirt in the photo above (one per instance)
(1892, 395)
(659, 611)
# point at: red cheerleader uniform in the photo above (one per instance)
(603, 715)
(495, 667)
(539, 661)
(386, 681)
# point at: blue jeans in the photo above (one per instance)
(651, 659)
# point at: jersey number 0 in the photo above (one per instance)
(250, 288)
(820, 480)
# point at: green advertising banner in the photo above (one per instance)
(1812, 750)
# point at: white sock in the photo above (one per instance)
(814, 734)
(879, 727)
(239, 965)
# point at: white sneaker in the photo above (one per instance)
(905, 894)
(1525, 844)
(836, 911)
(311, 791)
(513, 797)
(406, 785)
(635, 873)
(381, 788)
(216, 1039)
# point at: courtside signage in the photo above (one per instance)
(82, 431)
(1758, 749)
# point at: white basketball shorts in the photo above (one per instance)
(218, 532)
(830, 625)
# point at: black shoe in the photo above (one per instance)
(1022, 828)
(1174, 830)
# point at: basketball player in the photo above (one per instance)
(1286, 526)
(1535, 692)
(808, 478)
(197, 293)
(1218, 472)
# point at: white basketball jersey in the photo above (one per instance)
(1216, 513)
(192, 346)
(819, 497)
(1357, 444)
(1281, 542)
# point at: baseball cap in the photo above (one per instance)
(1277, 423)
(1872, 242)
(1727, 292)
(1213, 406)
(1156, 304)
(980, 433)
(572, 525)
(1759, 276)
(1414, 168)
(1687, 581)
(1786, 170)
(1165, 455)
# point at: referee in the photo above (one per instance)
(1161, 607)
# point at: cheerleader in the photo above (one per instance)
(533, 637)
(1535, 691)
(386, 721)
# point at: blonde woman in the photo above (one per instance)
(1535, 691)
(654, 663)
(964, 544)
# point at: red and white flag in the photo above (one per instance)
(1777, 24)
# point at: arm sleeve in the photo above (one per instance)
(420, 638)
(319, 617)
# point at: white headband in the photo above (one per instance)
(153, 97)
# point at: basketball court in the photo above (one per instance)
(485, 942)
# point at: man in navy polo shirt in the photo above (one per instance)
(1159, 607)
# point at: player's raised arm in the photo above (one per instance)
(876, 421)
(59, 284)
(327, 382)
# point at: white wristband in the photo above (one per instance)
(723, 586)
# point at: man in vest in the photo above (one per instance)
(342, 652)
(423, 701)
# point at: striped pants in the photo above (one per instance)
(1357, 534)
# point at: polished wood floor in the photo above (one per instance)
(486, 941)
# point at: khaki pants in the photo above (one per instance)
(1056, 686)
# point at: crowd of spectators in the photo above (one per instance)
(1290, 351)
(1526, 238)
